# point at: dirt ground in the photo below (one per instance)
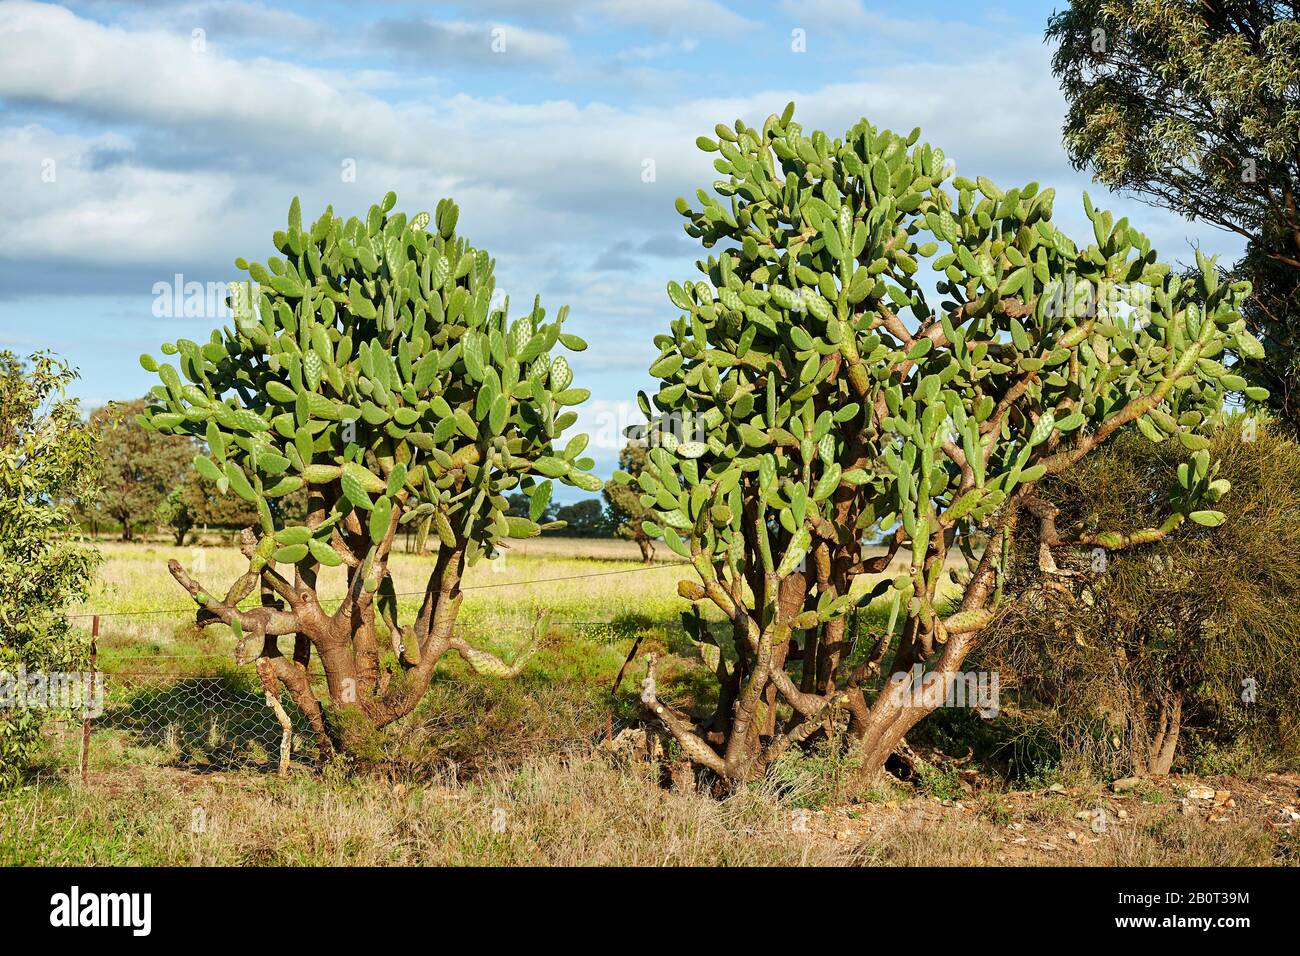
(1095, 825)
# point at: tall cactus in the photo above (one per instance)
(372, 367)
(801, 407)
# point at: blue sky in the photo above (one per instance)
(143, 140)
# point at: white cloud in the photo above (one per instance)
(655, 51)
(674, 16)
(51, 56)
(438, 42)
(662, 16)
(234, 20)
(65, 204)
(555, 169)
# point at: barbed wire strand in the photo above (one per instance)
(146, 612)
(613, 624)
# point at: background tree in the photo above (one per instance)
(824, 415)
(585, 519)
(624, 501)
(47, 458)
(139, 466)
(196, 503)
(180, 509)
(1191, 105)
(1198, 630)
(374, 373)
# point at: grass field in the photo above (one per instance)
(522, 771)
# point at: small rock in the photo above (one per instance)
(1056, 788)
(1072, 836)
(1083, 815)
(1121, 813)
(1200, 793)
(1223, 798)
(1125, 783)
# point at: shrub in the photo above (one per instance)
(47, 459)
(1199, 630)
(140, 467)
(624, 500)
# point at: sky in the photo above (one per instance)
(145, 141)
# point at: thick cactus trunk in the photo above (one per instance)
(362, 696)
(894, 714)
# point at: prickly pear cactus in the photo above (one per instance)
(371, 364)
(815, 392)
(376, 368)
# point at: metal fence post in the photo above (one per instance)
(85, 722)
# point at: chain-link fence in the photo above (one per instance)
(207, 712)
(217, 717)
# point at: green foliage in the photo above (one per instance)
(374, 370)
(1206, 615)
(942, 783)
(800, 405)
(521, 506)
(140, 467)
(47, 459)
(1273, 312)
(371, 370)
(790, 354)
(585, 519)
(1189, 106)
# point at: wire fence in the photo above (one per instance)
(218, 720)
(206, 711)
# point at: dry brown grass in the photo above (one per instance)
(588, 811)
(1174, 840)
